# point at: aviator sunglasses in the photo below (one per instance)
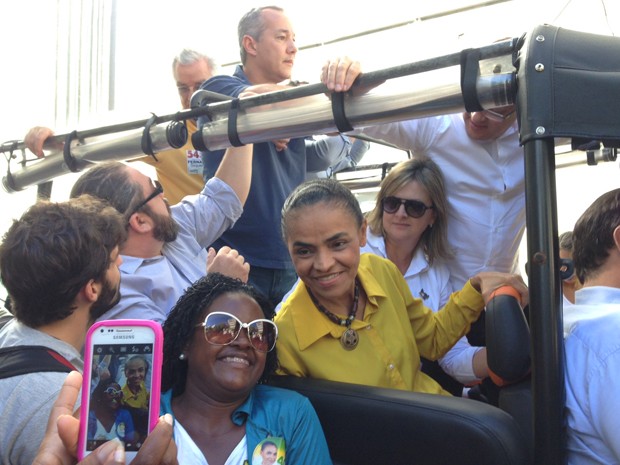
(413, 208)
(222, 329)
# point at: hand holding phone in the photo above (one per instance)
(61, 437)
(121, 389)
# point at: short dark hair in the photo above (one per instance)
(52, 251)
(593, 234)
(316, 191)
(252, 24)
(565, 241)
(110, 181)
(189, 311)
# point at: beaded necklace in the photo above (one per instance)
(349, 338)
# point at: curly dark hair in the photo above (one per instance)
(52, 251)
(189, 311)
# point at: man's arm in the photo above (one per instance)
(236, 170)
(36, 137)
(325, 152)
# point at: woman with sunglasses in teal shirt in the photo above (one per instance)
(219, 347)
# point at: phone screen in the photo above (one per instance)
(120, 388)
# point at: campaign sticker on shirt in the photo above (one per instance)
(269, 451)
(194, 162)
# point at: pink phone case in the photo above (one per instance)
(155, 370)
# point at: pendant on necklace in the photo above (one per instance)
(349, 339)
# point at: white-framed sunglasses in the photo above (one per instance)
(221, 329)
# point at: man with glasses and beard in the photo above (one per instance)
(60, 265)
(166, 247)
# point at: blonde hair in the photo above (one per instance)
(426, 172)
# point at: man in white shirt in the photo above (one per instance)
(592, 346)
(482, 163)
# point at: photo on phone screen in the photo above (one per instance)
(121, 382)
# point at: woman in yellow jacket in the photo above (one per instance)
(352, 318)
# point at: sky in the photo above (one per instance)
(151, 32)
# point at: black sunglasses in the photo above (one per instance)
(222, 329)
(413, 208)
(158, 190)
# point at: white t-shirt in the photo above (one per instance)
(189, 453)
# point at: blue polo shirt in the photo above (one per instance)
(256, 234)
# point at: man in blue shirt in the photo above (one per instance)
(166, 247)
(592, 345)
(268, 50)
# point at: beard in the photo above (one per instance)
(110, 296)
(165, 228)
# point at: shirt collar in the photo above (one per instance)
(128, 393)
(374, 290)
(241, 413)
(597, 295)
(131, 264)
(239, 416)
(376, 242)
(419, 263)
(240, 73)
(310, 324)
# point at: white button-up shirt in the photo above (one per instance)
(593, 377)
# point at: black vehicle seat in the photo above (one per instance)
(370, 425)
(509, 359)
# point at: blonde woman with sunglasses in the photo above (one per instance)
(408, 226)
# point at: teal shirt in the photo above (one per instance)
(271, 412)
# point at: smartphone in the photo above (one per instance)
(121, 387)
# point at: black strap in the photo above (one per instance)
(21, 360)
(70, 161)
(146, 144)
(470, 70)
(340, 118)
(233, 135)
